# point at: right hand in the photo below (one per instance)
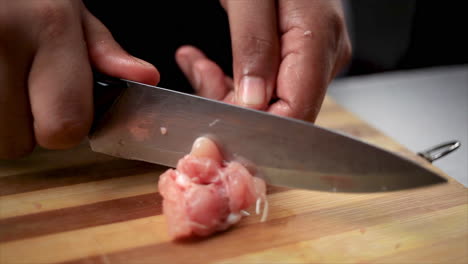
(47, 49)
(285, 53)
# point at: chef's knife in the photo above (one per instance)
(148, 123)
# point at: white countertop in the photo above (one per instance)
(418, 108)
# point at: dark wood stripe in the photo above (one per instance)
(277, 232)
(72, 218)
(95, 214)
(73, 175)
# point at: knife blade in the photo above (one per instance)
(157, 125)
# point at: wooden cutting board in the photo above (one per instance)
(77, 206)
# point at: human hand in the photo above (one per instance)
(285, 53)
(47, 49)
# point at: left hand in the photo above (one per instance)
(285, 53)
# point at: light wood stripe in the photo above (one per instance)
(94, 241)
(342, 121)
(357, 131)
(383, 240)
(450, 251)
(333, 115)
(297, 202)
(88, 215)
(77, 194)
(298, 218)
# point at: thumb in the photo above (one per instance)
(255, 50)
(108, 57)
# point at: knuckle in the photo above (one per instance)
(333, 31)
(337, 26)
(63, 133)
(347, 51)
(252, 50)
(223, 3)
(255, 44)
(54, 17)
(100, 49)
(329, 25)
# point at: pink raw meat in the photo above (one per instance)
(204, 194)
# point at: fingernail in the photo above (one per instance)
(252, 91)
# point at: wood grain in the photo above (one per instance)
(77, 206)
(57, 177)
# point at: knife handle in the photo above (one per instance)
(439, 151)
(105, 93)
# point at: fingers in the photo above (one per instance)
(16, 132)
(205, 76)
(45, 75)
(303, 76)
(108, 57)
(60, 82)
(255, 48)
(312, 38)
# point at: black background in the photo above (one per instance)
(153, 30)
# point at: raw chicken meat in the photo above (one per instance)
(204, 194)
